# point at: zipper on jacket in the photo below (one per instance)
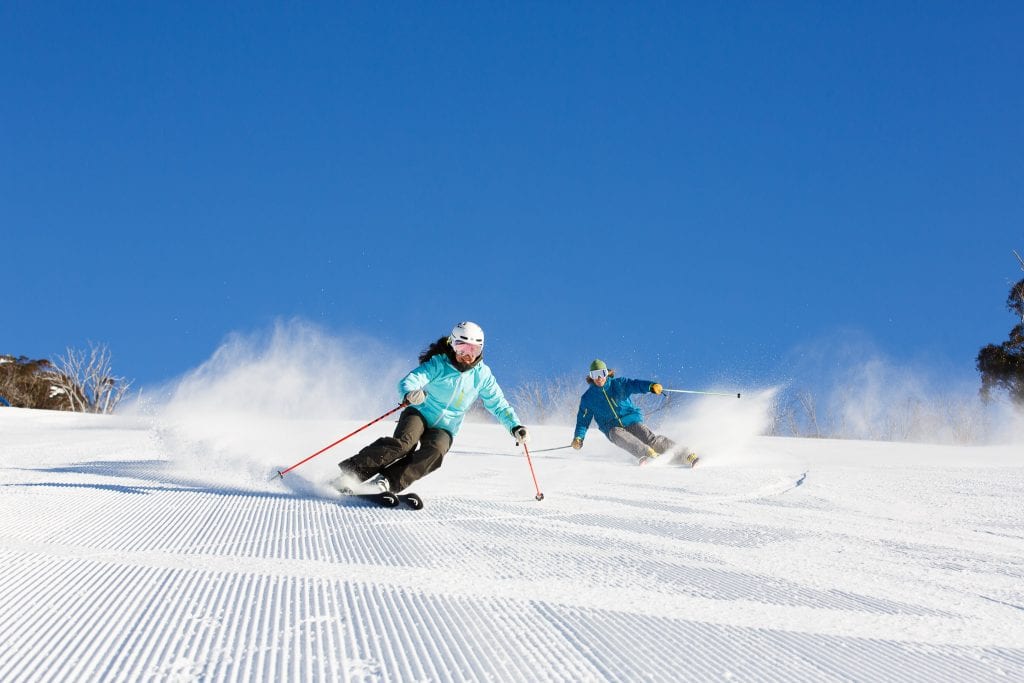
(612, 406)
(452, 398)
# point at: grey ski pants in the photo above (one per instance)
(637, 439)
(397, 458)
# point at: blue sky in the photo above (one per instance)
(693, 191)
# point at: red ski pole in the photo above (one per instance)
(539, 496)
(281, 473)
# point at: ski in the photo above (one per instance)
(689, 460)
(411, 500)
(384, 500)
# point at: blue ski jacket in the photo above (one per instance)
(450, 393)
(610, 405)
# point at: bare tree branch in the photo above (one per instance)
(809, 405)
(87, 381)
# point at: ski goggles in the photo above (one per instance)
(464, 348)
(598, 374)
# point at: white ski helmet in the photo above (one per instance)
(467, 332)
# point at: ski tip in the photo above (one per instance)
(412, 500)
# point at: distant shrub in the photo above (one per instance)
(547, 401)
(901, 414)
(25, 383)
(79, 381)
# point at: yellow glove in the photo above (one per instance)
(577, 443)
(656, 388)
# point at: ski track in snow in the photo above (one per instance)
(799, 564)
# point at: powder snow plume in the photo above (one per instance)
(265, 400)
(843, 386)
(722, 428)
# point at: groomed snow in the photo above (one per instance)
(157, 549)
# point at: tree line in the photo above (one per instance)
(83, 381)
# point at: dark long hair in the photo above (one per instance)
(442, 346)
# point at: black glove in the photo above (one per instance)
(519, 432)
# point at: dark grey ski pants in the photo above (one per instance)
(637, 439)
(395, 457)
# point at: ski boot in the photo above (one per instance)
(379, 483)
(651, 455)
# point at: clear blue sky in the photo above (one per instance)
(689, 190)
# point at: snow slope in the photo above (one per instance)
(153, 549)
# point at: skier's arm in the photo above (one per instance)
(583, 419)
(420, 377)
(495, 403)
(638, 386)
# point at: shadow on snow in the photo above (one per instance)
(146, 470)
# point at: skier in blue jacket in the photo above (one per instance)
(607, 400)
(450, 377)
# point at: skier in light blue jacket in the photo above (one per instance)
(450, 377)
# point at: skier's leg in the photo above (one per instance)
(623, 439)
(661, 444)
(385, 450)
(428, 457)
(678, 455)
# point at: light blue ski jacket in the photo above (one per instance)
(450, 393)
(610, 405)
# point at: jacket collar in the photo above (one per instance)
(462, 367)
